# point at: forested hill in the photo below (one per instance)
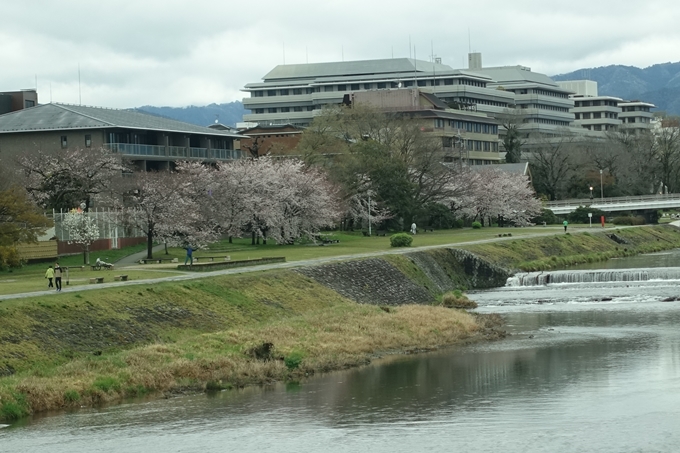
(228, 114)
(658, 84)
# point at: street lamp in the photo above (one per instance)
(591, 193)
(601, 191)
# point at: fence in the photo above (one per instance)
(112, 233)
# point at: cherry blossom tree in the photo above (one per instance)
(170, 207)
(67, 178)
(82, 230)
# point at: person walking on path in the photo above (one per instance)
(49, 275)
(413, 228)
(565, 223)
(190, 257)
(57, 276)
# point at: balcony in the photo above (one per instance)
(173, 152)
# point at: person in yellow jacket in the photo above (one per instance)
(49, 275)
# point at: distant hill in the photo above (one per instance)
(658, 84)
(228, 114)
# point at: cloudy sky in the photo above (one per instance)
(196, 52)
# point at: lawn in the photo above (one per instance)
(31, 277)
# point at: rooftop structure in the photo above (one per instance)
(11, 101)
(150, 141)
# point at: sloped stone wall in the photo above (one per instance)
(376, 281)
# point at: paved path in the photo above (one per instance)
(133, 259)
(293, 264)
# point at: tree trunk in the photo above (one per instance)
(166, 249)
(252, 242)
(230, 240)
(264, 237)
(86, 255)
(149, 244)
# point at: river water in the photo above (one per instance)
(591, 366)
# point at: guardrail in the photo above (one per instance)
(614, 200)
(174, 151)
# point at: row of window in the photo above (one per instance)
(545, 121)
(298, 108)
(606, 103)
(468, 126)
(545, 107)
(635, 109)
(366, 86)
(64, 141)
(595, 115)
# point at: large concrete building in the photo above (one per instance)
(467, 137)
(294, 94)
(606, 113)
(12, 101)
(150, 141)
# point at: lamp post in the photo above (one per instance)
(591, 193)
(601, 191)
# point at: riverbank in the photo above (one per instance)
(76, 349)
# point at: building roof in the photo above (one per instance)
(513, 75)
(354, 68)
(55, 117)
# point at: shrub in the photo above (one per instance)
(456, 299)
(293, 360)
(9, 258)
(546, 216)
(476, 225)
(106, 384)
(401, 240)
(580, 215)
(628, 220)
(71, 396)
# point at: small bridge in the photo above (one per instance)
(642, 204)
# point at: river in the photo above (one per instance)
(592, 365)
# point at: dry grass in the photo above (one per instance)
(331, 339)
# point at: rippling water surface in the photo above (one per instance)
(589, 367)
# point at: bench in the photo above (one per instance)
(97, 280)
(430, 229)
(211, 258)
(157, 260)
(120, 278)
(99, 267)
(381, 233)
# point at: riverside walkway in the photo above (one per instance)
(293, 264)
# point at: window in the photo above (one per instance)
(382, 85)
(310, 108)
(285, 109)
(342, 87)
(422, 83)
(354, 86)
(259, 111)
(258, 94)
(297, 109)
(328, 88)
(448, 81)
(439, 123)
(367, 86)
(297, 91)
(271, 92)
(88, 141)
(284, 92)
(271, 110)
(64, 142)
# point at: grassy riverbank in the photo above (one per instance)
(275, 326)
(75, 349)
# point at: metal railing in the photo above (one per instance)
(177, 152)
(614, 200)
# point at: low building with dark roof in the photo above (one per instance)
(150, 141)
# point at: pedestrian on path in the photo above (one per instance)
(190, 257)
(57, 276)
(565, 223)
(49, 275)
(413, 228)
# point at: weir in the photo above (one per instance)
(593, 276)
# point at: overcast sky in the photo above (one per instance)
(196, 52)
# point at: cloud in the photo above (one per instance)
(180, 52)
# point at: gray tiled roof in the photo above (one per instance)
(349, 68)
(512, 75)
(48, 117)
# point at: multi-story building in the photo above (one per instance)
(465, 136)
(11, 101)
(294, 94)
(544, 106)
(606, 113)
(636, 115)
(150, 141)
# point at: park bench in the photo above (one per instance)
(157, 260)
(97, 280)
(211, 258)
(120, 278)
(377, 233)
(98, 267)
(430, 229)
